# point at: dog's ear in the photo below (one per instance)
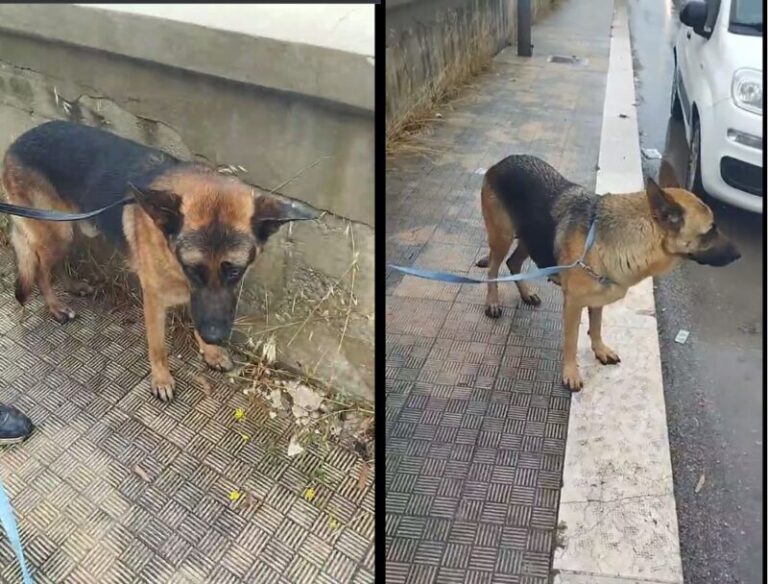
(163, 207)
(271, 211)
(665, 210)
(667, 177)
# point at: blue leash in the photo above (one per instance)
(12, 530)
(532, 275)
(50, 215)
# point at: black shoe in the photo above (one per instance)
(15, 427)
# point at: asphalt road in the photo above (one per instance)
(713, 382)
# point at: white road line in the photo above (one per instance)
(617, 519)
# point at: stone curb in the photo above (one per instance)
(617, 517)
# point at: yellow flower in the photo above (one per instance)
(239, 414)
(309, 494)
(333, 523)
(245, 437)
(234, 496)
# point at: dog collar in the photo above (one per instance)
(591, 235)
(602, 280)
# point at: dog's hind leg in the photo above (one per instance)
(38, 247)
(501, 234)
(499, 241)
(48, 255)
(515, 264)
(26, 264)
(26, 259)
(499, 250)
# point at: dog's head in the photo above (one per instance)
(216, 226)
(689, 227)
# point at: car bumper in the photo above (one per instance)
(732, 170)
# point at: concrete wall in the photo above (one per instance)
(435, 44)
(273, 106)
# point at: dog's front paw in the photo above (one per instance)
(217, 358)
(61, 313)
(606, 355)
(163, 384)
(572, 378)
(493, 310)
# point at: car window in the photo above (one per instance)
(747, 12)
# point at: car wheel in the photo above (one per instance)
(693, 174)
(676, 110)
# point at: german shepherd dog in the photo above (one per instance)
(638, 235)
(190, 238)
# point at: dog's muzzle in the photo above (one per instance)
(718, 257)
(213, 333)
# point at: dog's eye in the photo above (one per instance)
(710, 235)
(231, 272)
(196, 274)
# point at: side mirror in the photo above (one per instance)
(694, 14)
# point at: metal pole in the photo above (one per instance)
(524, 28)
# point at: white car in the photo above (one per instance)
(718, 92)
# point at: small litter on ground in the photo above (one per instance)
(700, 484)
(651, 153)
(682, 336)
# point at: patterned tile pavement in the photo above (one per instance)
(87, 516)
(476, 418)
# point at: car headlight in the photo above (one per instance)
(747, 90)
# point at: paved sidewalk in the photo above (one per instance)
(476, 415)
(115, 487)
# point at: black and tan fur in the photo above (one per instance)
(639, 235)
(190, 238)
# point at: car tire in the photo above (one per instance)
(693, 169)
(676, 109)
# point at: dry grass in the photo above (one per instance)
(444, 94)
(109, 276)
(335, 306)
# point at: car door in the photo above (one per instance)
(690, 64)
